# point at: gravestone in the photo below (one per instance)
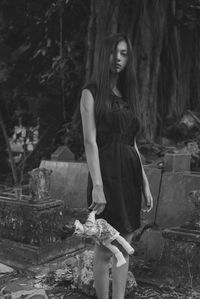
(30, 225)
(181, 252)
(62, 153)
(68, 182)
(177, 162)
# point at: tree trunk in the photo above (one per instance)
(195, 74)
(11, 160)
(143, 22)
(148, 49)
(178, 80)
(90, 40)
(167, 59)
(62, 75)
(103, 22)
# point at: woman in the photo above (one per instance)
(116, 176)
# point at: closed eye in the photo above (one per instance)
(124, 54)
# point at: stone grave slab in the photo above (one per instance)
(173, 208)
(30, 232)
(177, 162)
(62, 153)
(68, 182)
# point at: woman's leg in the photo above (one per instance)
(101, 271)
(119, 275)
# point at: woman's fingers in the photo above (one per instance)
(91, 207)
(150, 204)
(98, 208)
(98, 200)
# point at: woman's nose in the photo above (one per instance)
(118, 56)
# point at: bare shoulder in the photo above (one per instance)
(87, 100)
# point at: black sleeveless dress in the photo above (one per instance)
(120, 166)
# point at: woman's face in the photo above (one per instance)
(119, 60)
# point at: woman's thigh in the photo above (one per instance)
(102, 252)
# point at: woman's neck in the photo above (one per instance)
(113, 82)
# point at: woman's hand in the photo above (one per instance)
(98, 199)
(148, 200)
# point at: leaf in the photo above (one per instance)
(19, 51)
(36, 54)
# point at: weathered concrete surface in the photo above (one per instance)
(62, 153)
(181, 256)
(68, 182)
(23, 255)
(153, 244)
(35, 224)
(177, 162)
(174, 207)
(192, 181)
(30, 233)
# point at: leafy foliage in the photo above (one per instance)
(35, 53)
(42, 56)
(42, 60)
(188, 12)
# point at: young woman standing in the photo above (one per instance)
(116, 176)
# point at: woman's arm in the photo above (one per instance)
(146, 188)
(91, 150)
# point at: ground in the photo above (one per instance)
(42, 277)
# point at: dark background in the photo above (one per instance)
(48, 49)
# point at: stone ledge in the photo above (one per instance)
(31, 224)
(52, 203)
(27, 255)
(177, 162)
(181, 256)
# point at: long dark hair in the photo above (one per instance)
(126, 81)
